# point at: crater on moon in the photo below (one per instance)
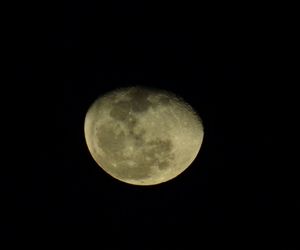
(142, 136)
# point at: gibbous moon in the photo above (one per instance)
(142, 136)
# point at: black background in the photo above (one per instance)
(225, 63)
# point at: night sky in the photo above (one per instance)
(237, 192)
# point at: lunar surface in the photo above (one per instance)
(142, 136)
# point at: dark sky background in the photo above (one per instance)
(237, 192)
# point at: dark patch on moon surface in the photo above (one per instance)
(120, 110)
(110, 142)
(138, 99)
(164, 100)
(137, 103)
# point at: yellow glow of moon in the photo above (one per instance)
(142, 136)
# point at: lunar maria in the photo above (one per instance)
(142, 136)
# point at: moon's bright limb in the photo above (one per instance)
(142, 136)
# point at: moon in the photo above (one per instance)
(141, 135)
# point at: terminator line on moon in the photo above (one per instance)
(142, 136)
